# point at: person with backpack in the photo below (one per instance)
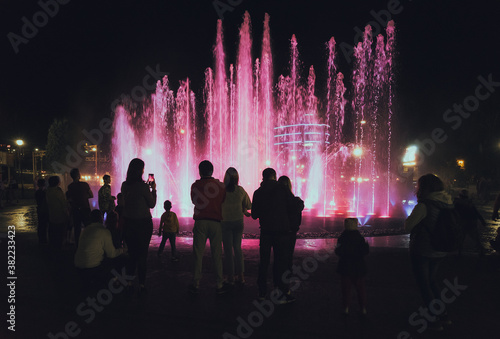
(425, 225)
(469, 217)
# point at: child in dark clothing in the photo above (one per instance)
(351, 249)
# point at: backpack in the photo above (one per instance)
(447, 232)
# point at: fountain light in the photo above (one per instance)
(357, 152)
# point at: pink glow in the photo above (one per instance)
(251, 122)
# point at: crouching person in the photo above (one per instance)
(94, 246)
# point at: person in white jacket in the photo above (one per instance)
(425, 261)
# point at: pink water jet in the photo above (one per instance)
(250, 121)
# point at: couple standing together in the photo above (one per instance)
(273, 203)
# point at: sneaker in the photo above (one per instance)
(193, 289)
(435, 326)
(223, 289)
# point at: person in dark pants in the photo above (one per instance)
(425, 260)
(469, 218)
(139, 197)
(42, 211)
(270, 204)
(351, 249)
(78, 195)
(295, 218)
(58, 213)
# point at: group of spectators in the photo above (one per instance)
(219, 211)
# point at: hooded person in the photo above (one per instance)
(425, 260)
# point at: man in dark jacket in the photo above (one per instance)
(78, 196)
(270, 204)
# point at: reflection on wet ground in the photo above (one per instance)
(24, 217)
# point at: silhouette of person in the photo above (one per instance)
(139, 197)
(78, 194)
(95, 245)
(169, 228)
(271, 204)
(105, 199)
(425, 261)
(295, 218)
(42, 211)
(58, 213)
(469, 217)
(207, 195)
(351, 249)
(234, 207)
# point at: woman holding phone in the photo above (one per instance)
(139, 197)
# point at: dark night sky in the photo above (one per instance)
(90, 52)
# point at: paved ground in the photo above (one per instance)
(48, 305)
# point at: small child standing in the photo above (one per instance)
(169, 228)
(351, 249)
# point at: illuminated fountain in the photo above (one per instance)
(337, 154)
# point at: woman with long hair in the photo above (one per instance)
(295, 218)
(425, 260)
(234, 207)
(138, 197)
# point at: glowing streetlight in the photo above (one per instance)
(20, 143)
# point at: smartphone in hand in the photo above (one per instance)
(151, 178)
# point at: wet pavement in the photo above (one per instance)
(48, 305)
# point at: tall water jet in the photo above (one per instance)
(266, 107)
(250, 122)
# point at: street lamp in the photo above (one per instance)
(20, 143)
